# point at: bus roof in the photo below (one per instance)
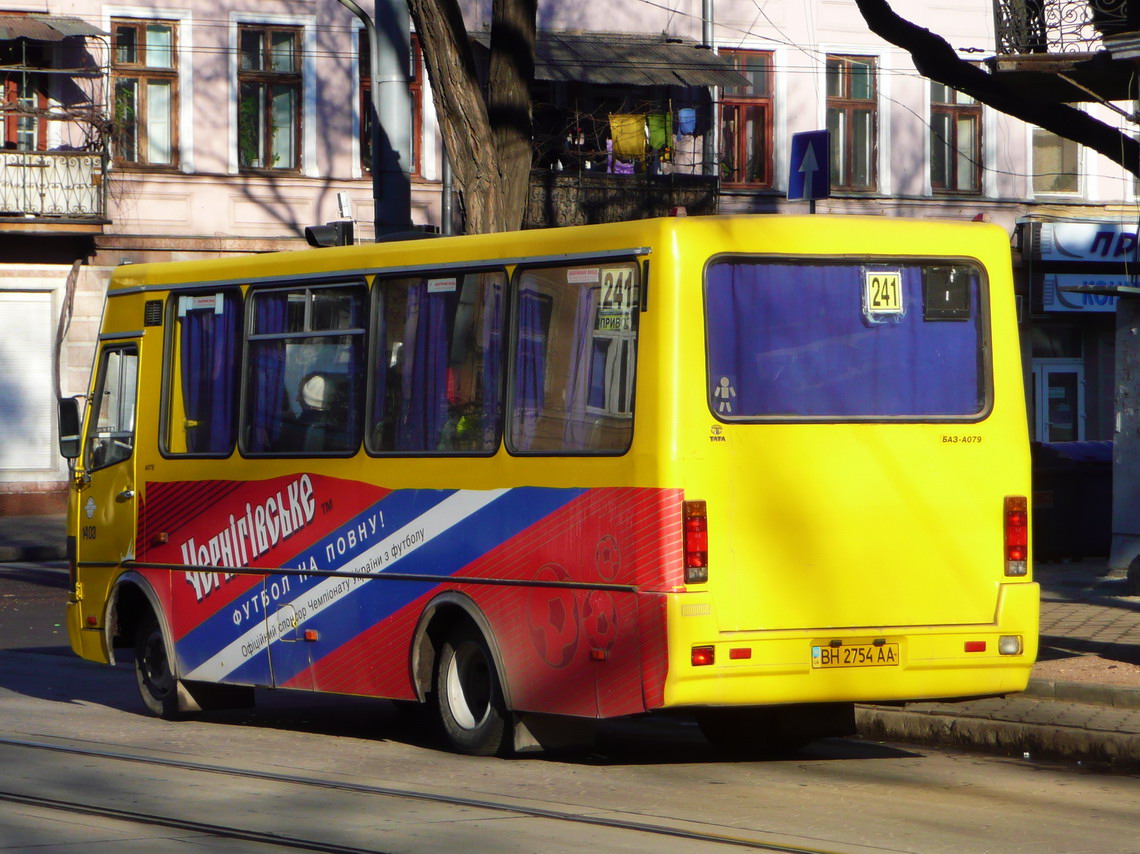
(766, 233)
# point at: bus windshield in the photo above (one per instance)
(845, 341)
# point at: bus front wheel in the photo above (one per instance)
(157, 685)
(469, 696)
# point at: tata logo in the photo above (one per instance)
(717, 434)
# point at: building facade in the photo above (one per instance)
(153, 131)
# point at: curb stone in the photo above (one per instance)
(1117, 696)
(1119, 751)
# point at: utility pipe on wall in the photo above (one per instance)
(709, 148)
(389, 42)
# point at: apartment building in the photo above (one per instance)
(153, 131)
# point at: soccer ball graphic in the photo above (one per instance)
(607, 557)
(599, 619)
(552, 617)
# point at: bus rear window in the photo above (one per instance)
(845, 341)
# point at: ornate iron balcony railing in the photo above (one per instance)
(67, 185)
(1061, 26)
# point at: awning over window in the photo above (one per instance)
(45, 28)
(625, 59)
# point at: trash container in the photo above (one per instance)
(1072, 499)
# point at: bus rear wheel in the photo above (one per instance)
(469, 696)
(157, 685)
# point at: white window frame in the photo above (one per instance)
(884, 71)
(185, 54)
(308, 27)
(1032, 192)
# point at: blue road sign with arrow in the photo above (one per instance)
(811, 166)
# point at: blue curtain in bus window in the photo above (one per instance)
(352, 361)
(792, 340)
(530, 369)
(491, 334)
(268, 404)
(209, 335)
(423, 408)
(576, 435)
(380, 370)
(597, 398)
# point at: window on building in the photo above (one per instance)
(416, 91)
(955, 141)
(144, 72)
(1056, 164)
(852, 121)
(269, 97)
(25, 127)
(746, 121)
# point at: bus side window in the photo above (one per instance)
(200, 414)
(111, 430)
(437, 364)
(305, 370)
(575, 359)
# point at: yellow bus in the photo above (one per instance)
(749, 469)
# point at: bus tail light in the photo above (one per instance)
(1016, 535)
(703, 656)
(696, 542)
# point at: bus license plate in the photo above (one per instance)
(856, 655)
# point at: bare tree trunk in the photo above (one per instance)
(490, 150)
(508, 99)
(936, 59)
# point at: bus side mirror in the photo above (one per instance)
(69, 441)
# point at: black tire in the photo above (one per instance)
(157, 685)
(469, 696)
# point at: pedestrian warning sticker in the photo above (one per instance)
(723, 395)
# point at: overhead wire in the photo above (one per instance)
(741, 36)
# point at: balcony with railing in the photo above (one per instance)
(53, 125)
(61, 185)
(1065, 50)
(1061, 26)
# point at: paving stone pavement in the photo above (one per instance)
(1084, 612)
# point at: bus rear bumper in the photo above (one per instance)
(863, 665)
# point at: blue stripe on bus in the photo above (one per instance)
(447, 553)
(467, 541)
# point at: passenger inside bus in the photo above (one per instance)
(320, 424)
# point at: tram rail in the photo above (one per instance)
(631, 825)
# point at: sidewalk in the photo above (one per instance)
(1088, 628)
(32, 538)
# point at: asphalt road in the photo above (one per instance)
(86, 769)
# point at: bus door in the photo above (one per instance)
(106, 496)
(289, 657)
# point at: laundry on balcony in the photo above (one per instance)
(628, 133)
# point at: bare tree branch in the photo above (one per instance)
(935, 58)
